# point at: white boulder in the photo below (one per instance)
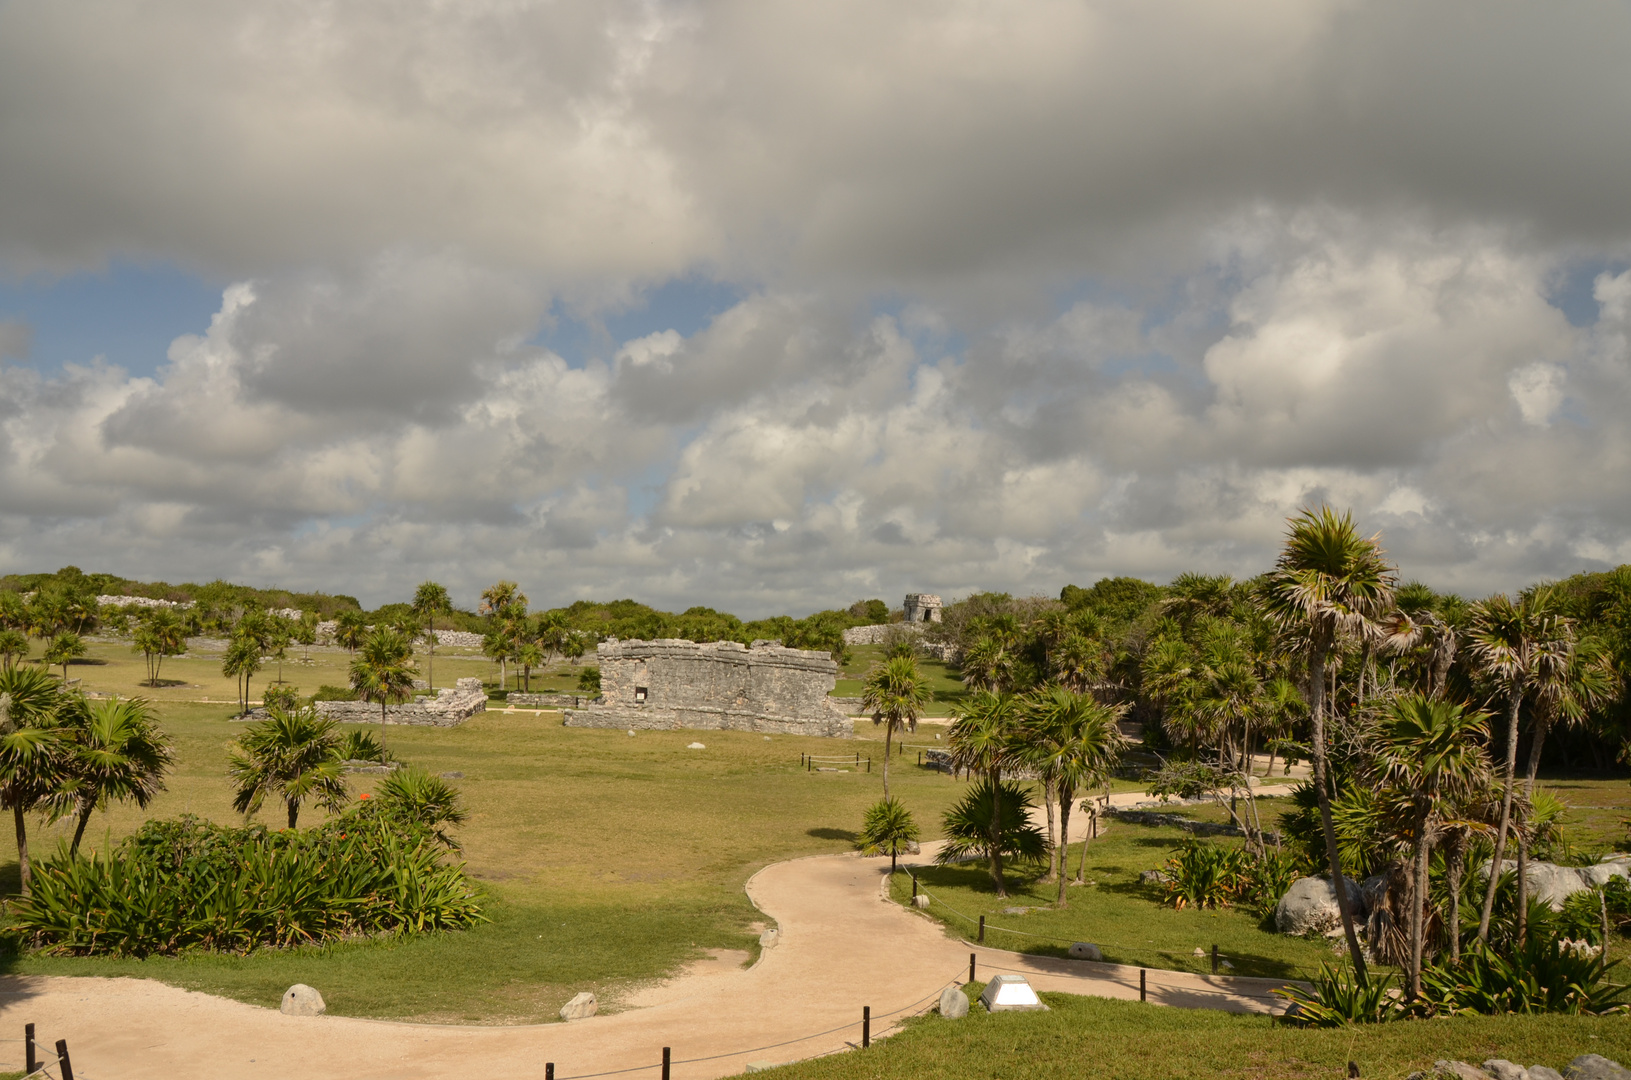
(953, 1003)
(302, 1000)
(580, 1007)
(1310, 906)
(1082, 950)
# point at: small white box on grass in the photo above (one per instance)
(1010, 993)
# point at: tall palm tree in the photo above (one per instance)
(529, 655)
(895, 693)
(241, 660)
(1516, 644)
(984, 738)
(987, 666)
(63, 649)
(293, 756)
(350, 628)
(1328, 580)
(1430, 751)
(430, 600)
(383, 672)
(888, 826)
(1077, 741)
(30, 748)
(160, 634)
(115, 753)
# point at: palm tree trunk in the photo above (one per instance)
(23, 869)
(1513, 706)
(1536, 740)
(294, 811)
(1418, 906)
(1081, 864)
(1323, 792)
(1065, 796)
(79, 832)
(1456, 857)
(1053, 853)
(430, 662)
(996, 833)
(888, 736)
(382, 726)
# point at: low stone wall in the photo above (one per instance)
(872, 635)
(523, 700)
(449, 708)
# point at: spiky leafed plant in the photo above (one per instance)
(30, 748)
(1431, 752)
(984, 737)
(291, 756)
(430, 600)
(1328, 580)
(1077, 741)
(1517, 645)
(422, 799)
(895, 694)
(887, 827)
(382, 671)
(63, 649)
(114, 752)
(992, 820)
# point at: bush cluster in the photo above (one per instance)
(190, 884)
(1203, 874)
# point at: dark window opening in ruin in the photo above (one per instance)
(639, 695)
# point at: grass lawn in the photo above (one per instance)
(943, 680)
(1121, 1040)
(609, 860)
(1123, 917)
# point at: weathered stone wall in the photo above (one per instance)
(524, 700)
(923, 607)
(720, 685)
(449, 708)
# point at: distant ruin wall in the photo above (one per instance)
(449, 708)
(720, 685)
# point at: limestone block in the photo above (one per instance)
(1502, 1069)
(1544, 1072)
(1599, 875)
(1459, 1070)
(302, 1000)
(769, 938)
(580, 1007)
(695, 746)
(1595, 1067)
(920, 901)
(1310, 906)
(1083, 950)
(953, 1003)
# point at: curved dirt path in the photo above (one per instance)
(843, 945)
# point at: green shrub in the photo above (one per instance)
(1340, 998)
(190, 884)
(1543, 976)
(589, 681)
(1268, 878)
(281, 696)
(1201, 874)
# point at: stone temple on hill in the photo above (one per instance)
(720, 685)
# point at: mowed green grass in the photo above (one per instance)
(1124, 917)
(942, 680)
(1126, 1040)
(608, 859)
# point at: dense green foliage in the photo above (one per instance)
(189, 884)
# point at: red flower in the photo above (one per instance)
(365, 795)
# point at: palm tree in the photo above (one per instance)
(242, 660)
(1078, 662)
(382, 671)
(350, 628)
(1430, 750)
(888, 826)
(1283, 706)
(160, 634)
(63, 649)
(429, 601)
(1191, 596)
(497, 645)
(529, 655)
(502, 599)
(992, 820)
(984, 739)
(292, 755)
(30, 748)
(115, 753)
(895, 693)
(13, 646)
(987, 666)
(1328, 580)
(428, 801)
(1516, 644)
(1077, 741)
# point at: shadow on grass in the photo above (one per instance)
(849, 836)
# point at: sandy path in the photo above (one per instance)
(842, 946)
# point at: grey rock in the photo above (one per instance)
(1595, 1067)
(302, 1000)
(695, 746)
(1154, 877)
(580, 1007)
(1555, 884)
(770, 938)
(1502, 1069)
(1083, 950)
(913, 847)
(953, 1003)
(920, 901)
(453, 776)
(1600, 875)
(1310, 906)
(1544, 1072)
(1460, 1070)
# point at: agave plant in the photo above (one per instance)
(1201, 874)
(1541, 976)
(1340, 998)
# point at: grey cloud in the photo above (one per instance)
(16, 339)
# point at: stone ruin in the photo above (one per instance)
(923, 607)
(719, 685)
(450, 707)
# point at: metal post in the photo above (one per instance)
(866, 1026)
(914, 885)
(920, 757)
(64, 1066)
(970, 967)
(982, 929)
(858, 759)
(549, 1070)
(28, 1047)
(1214, 959)
(665, 1063)
(809, 765)
(1143, 985)
(868, 764)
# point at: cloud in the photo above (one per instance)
(16, 338)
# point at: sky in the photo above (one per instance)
(773, 306)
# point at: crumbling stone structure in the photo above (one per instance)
(450, 707)
(720, 685)
(923, 607)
